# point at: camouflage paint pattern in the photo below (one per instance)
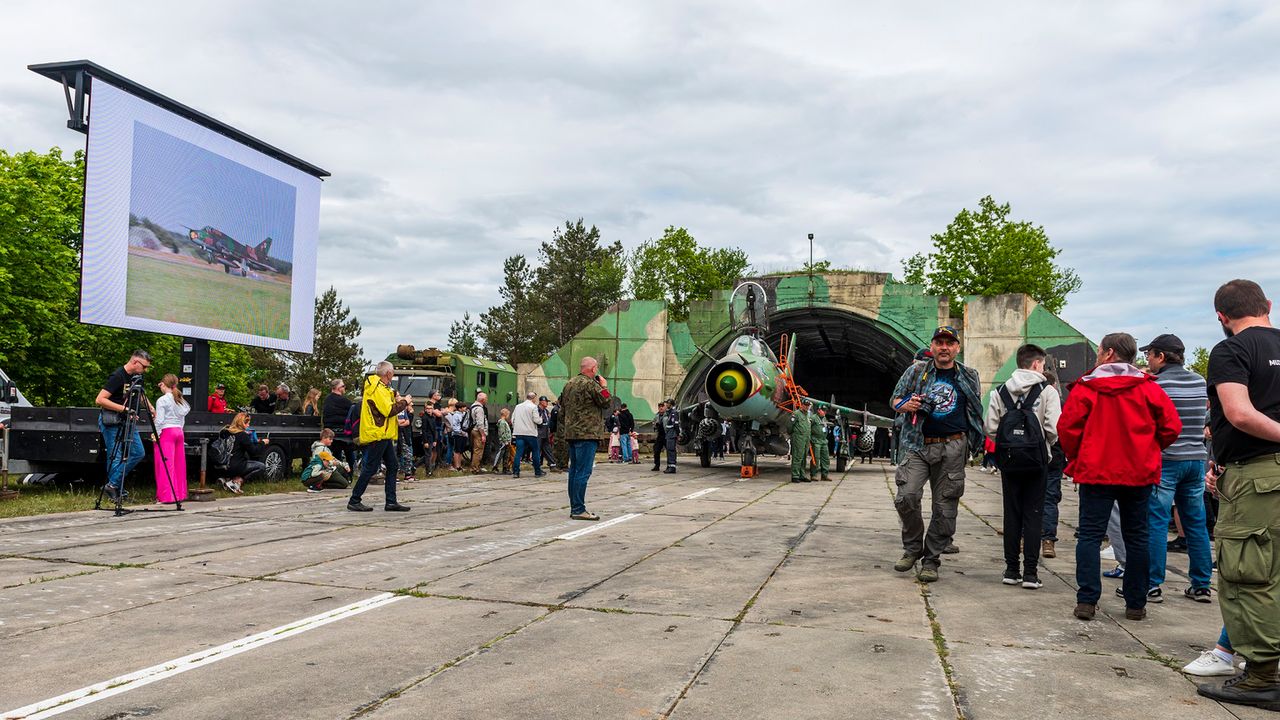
(647, 358)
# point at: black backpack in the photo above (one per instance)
(223, 449)
(1020, 439)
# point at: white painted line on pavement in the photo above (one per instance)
(599, 526)
(699, 494)
(124, 683)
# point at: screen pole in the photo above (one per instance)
(194, 379)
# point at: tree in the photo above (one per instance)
(513, 330)
(674, 268)
(578, 279)
(336, 354)
(1199, 362)
(984, 253)
(464, 338)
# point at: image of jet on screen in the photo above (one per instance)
(235, 257)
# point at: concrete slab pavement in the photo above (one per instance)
(758, 598)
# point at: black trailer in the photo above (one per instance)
(66, 442)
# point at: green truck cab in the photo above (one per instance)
(422, 372)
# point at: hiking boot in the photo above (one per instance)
(1047, 550)
(1203, 595)
(825, 478)
(1032, 582)
(113, 492)
(927, 575)
(1012, 577)
(950, 549)
(1085, 611)
(1135, 613)
(907, 562)
(1256, 686)
(795, 479)
(358, 507)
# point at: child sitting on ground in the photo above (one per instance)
(324, 470)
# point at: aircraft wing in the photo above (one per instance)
(861, 416)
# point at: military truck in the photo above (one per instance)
(422, 372)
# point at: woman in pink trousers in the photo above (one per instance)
(170, 453)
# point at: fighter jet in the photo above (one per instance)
(236, 258)
(756, 393)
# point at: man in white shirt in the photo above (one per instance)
(524, 430)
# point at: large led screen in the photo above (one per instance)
(191, 233)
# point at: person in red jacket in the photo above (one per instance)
(1129, 421)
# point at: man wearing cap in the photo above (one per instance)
(799, 432)
(818, 441)
(671, 433)
(286, 402)
(1181, 470)
(218, 400)
(939, 400)
(544, 432)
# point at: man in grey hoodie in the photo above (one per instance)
(1023, 470)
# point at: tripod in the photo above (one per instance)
(120, 449)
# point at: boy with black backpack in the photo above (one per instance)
(1022, 419)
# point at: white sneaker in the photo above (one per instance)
(1209, 664)
(1108, 554)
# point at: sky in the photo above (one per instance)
(1143, 136)
(179, 185)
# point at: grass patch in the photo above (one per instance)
(45, 499)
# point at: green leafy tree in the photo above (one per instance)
(464, 337)
(578, 279)
(674, 268)
(984, 253)
(335, 353)
(1199, 362)
(514, 330)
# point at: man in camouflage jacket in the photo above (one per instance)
(581, 402)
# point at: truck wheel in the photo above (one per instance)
(840, 463)
(277, 462)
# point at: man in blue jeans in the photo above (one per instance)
(1181, 471)
(1130, 421)
(111, 399)
(581, 424)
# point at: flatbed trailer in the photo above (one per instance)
(67, 442)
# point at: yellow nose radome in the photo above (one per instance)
(732, 385)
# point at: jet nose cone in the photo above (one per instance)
(731, 385)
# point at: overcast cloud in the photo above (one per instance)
(1144, 136)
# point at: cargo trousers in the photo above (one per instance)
(1246, 539)
(941, 465)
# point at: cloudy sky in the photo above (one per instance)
(1144, 136)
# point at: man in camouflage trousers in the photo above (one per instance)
(800, 430)
(581, 424)
(818, 441)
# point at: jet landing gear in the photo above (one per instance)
(749, 467)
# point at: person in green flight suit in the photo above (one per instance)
(818, 441)
(799, 430)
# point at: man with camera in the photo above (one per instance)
(119, 399)
(379, 432)
(940, 402)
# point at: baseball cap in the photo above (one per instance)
(220, 386)
(542, 398)
(1165, 343)
(946, 331)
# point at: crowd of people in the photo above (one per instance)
(1136, 444)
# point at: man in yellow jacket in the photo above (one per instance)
(379, 405)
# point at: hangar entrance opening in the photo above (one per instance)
(843, 354)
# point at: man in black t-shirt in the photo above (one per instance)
(111, 398)
(263, 402)
(1244, 413)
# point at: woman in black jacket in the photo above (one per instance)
(242, 465)
(333, 415)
